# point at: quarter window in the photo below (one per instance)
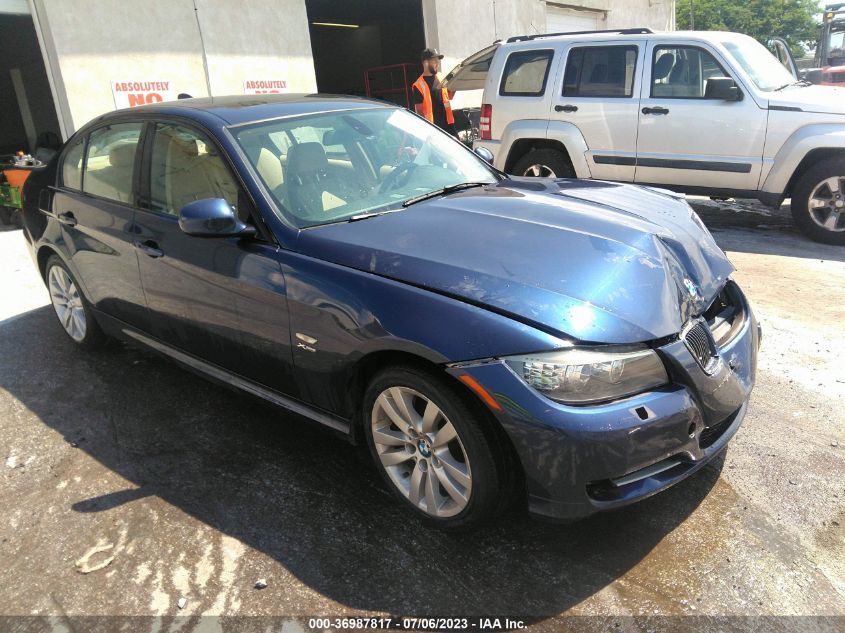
(526, 73)
(600, 71)
(110, 161)
(185, 167)
(682, 72)
(72, 165)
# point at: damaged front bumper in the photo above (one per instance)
(582, 459)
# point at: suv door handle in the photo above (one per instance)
(657, 110)
(149, 248)
(566, 108)
(67, 218)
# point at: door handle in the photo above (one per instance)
(149, 248)
(67, 218)
(566, 108)
(657, 110)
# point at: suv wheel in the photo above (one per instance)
(818, 202)
(70, 305)
(431, 449)
(544, 163)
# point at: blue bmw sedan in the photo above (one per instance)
(573, 345)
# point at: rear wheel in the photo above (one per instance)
(431, 448)
(818, 202)
(544, 163)
(70, 306)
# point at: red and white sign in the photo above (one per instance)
(264, 86)
(128, 94)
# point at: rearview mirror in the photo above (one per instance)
(723, 88)
(485, 154)
(212, 217)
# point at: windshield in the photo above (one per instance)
(327, 168)
(763, 67)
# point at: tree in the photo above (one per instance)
(793, 20)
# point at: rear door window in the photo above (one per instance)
(72, 165)
(526, 73)
(110, 161)
(600, 71)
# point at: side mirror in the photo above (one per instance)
(485, 154)
(212, 217)
(723, 88)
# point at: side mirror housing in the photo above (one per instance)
(723, 88)
(485, 154)
(212, 217)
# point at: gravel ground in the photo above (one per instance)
(130, 484)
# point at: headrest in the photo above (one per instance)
(306, 158)
(662, 66)
(122, 155)
(183, 148)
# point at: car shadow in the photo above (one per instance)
(305, 497)
(748, 226)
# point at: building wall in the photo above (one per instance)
(100, 41)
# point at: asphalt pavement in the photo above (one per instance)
(130, 487)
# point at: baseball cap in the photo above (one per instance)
(429, 53)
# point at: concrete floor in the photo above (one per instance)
(190, 491)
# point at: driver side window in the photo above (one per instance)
(681, 72)
(186, 167)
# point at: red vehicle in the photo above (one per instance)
(829, 61)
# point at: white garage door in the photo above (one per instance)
(560, 20)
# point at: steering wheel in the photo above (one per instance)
(398, 177)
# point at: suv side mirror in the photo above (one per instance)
(212, 217)
(484, 154)
(723, 88)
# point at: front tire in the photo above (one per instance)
(431, 448)
(544, 163)
(818, 202)
(70, 306)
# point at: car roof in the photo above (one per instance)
(236, 109)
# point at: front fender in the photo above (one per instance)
(797, 146)
(351, 314)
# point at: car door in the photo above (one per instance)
(686, 137)
(220, 299)
(599, 95)
(94, 202)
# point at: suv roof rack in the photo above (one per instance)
(528, 38)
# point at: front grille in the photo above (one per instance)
(699, 342)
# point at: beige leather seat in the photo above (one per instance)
(189, 176)
(114, 181)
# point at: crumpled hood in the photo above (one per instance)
(820, 99)
(588, 260)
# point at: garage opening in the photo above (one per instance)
(566, 19)
(350, 37)
(28, 119)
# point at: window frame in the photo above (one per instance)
(626, 45)
(144, 188)
(720, 62)
(527, 51)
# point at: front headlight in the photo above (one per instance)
(582, 376)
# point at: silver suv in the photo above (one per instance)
(708, 113)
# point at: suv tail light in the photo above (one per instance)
(485, 123)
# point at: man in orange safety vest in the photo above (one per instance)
(431, 99)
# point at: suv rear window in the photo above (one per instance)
(526, 73)
(600, 71)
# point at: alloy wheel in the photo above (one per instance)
(420, 450)
(827, 204)
(67, 302)
(539, 171)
